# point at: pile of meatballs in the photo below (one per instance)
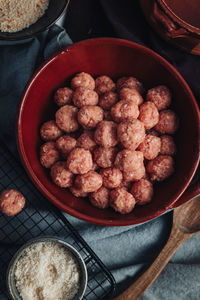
(107, 143)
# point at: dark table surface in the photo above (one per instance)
(124, 19)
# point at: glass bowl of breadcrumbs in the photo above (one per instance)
(47, 268)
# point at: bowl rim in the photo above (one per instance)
(10, 37)
(181, 22)
(60, 241)
(39, 184)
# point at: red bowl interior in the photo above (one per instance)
(115, 58)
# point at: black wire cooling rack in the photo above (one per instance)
(40, 218)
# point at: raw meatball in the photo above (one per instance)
(131, 83)
(86, 141)
(104, 84)
(122, 201)
(90, 116)
(146, 176)
(65, 144)
(77, 192)
(107, 115)
(60, 175)
(108, 99)
(152, 132)
(112, 177)
(168, 146)
(150, 147)
(129, 160)
(95, 166)
(160, 96)
(49, 154)
(83, 96)
(134, 176)
(100, 198)
(89, 182)
(125, 185)
(83, 80)
(104, 157)
(11, 202)
(66, 118)
(131, 163)
(79, 161)
(131, 94)
(160, 167)
(142, 191)
(106, 134)
(149, 114)
(131, 133)
(49, 131)
(168, 122)
(124, 110)
(63, 96)
(120, 82)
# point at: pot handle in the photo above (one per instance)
(192, 191)
(171, 29)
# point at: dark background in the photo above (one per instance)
(124, 19)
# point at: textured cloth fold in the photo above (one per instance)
(18, 61)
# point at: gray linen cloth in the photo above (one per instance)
(126, 251)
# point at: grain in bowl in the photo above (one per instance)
(16, 15)
(47, 269)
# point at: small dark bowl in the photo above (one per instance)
(52, 14)
(115, 58)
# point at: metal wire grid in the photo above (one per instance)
(40, 218)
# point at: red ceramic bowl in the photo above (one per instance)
(115, 58)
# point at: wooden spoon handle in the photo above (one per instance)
(147, 278)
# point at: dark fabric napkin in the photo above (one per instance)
(125, 250)
(18, 61)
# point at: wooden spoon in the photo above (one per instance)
(186, 223)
